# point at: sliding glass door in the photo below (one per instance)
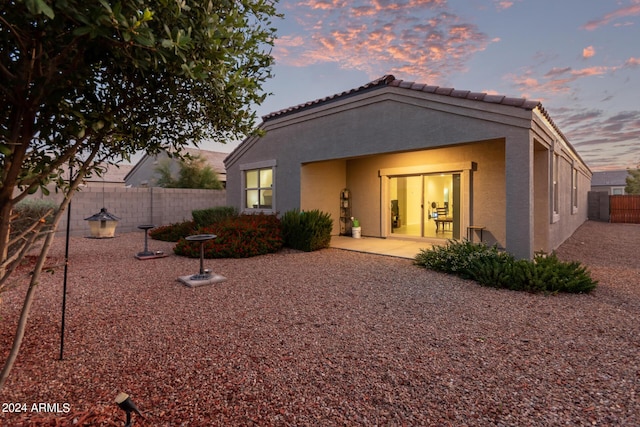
(425, 205)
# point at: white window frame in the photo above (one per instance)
(244, 168)
(555, 187)
(574, 189)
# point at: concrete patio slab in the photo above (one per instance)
(402, 248)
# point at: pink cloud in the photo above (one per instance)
(414, 38)
(588, 52)
(632, 62)
(560, 80)
(503, 4)
(592, 71)
(619, 13)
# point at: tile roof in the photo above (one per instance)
(391, 81)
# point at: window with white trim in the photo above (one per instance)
(258, 188)
(574, 190)
(556, 174)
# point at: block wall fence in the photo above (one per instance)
(136, 206)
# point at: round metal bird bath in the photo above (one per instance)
(202, 275)
(146, 252)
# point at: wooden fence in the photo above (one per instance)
(624, 209)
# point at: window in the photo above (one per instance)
(574, 191)
(258, 188)
(556, 173)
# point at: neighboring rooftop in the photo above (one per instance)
(144, 171)
(610, 178)
(113, 174)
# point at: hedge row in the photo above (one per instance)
(490, 267)
(240, 236)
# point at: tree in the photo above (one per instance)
(86, 82)
(633, 181)
(193, 173)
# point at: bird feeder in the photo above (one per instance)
(103, 224)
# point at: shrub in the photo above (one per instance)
(456, 257)
(205, 217)
(307, 230)
(560, 276)
(490, 267)
(29, 211)
(495, 272)
(173, 232)
(237, 237)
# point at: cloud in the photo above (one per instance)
(632, 63)
(558, 71)
(412, 38)
(588, 52)
(503, 4)
(560, 80)
(601, 138)
(623, 12)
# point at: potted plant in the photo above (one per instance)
(355, 228)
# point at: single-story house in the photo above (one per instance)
(410, 160)
(610, 182)
(144, 172)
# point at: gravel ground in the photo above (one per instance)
(325, 338)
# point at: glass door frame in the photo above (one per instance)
(465, 171)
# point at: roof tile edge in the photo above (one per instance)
(390, 80)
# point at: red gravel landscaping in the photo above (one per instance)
(324, 338)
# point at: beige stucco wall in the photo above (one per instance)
(320, 187)
(487, 199)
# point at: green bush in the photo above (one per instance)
(456, 257)
(206, 217)
(173, 232)
(307, 230)
(490, 267)
(237, 237)
(560, 276)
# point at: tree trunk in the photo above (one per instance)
(35, 279)
(6, 209)
(28, 300)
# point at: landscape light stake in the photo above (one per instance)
(126, 404)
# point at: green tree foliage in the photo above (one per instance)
(84, 82)
(194, 173)
(633, 181)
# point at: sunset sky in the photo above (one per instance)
(580, 58)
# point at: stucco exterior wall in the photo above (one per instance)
(345, 142)
(384, 122)
(568, 219)
(487, 198)
(321, 184)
